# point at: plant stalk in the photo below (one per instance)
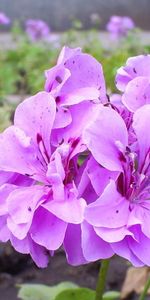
(146, 287)
(100, 287)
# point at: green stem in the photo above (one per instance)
(146, 287)
(102, 279)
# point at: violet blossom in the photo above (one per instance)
(76, 77)
(119, 26)
(37, 30)
(121, 214)
(74, 168)
(43, 146)
(51, 202)
(78, 87)
(134, 80)
(4, 20)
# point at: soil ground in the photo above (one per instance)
(16, 269)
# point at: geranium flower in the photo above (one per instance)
(120, 216)
(37, 30)
(78, 87)
(76, 77)
(133, 80)
(37, 215)
(4, 20)
(119, 26)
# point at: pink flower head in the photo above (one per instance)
(37, 215)
(75, 168)
(37, 30)
(120, 216)
(4, 20)
(134, 80)
(45, 147)
(119, 26)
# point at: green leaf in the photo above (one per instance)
(5, 113)
(43, 292)
(111, 295)
(76, 294)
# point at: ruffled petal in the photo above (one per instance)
(123, 249)
(70, 210)
(141, 247)
(94, 247)
(107, 137)
(141, 123)
(73, 246)
(35, 116)
(99, 176)
(137, 93)
(111, 210)
(47, 230)
(17, 153)
(28, 246)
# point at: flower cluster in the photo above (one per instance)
(37, 30)
(4, 20)
(119, 26)
(75, 166)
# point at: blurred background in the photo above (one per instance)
(60, 13)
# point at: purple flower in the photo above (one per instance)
(44, 146)
(37, 215)
(8, 182)
(76, 77)
(37, 30)
(78, 87)
(134, 80)
(120, 216)
(119, 26)
(4, 20)
(116, 104)
(75, 167)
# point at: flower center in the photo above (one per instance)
(133, 184)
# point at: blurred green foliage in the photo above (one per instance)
(5, 116)
(61, 291)
(22, 67)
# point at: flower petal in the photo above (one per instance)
(47, 230)
(122, 249)
(94, 247)
(28, 246)
(5, 190)
(99, 176)
(141, 122)
(135, 66)
(72, 245)
(141, 248)
(63, 117)
(106, 137)
(23, 202)
(112, 235)
(17, 154)
(67, 53)
(86, 72)
(70, 210)
(35, 116)
(137, 93)
(111, 210)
